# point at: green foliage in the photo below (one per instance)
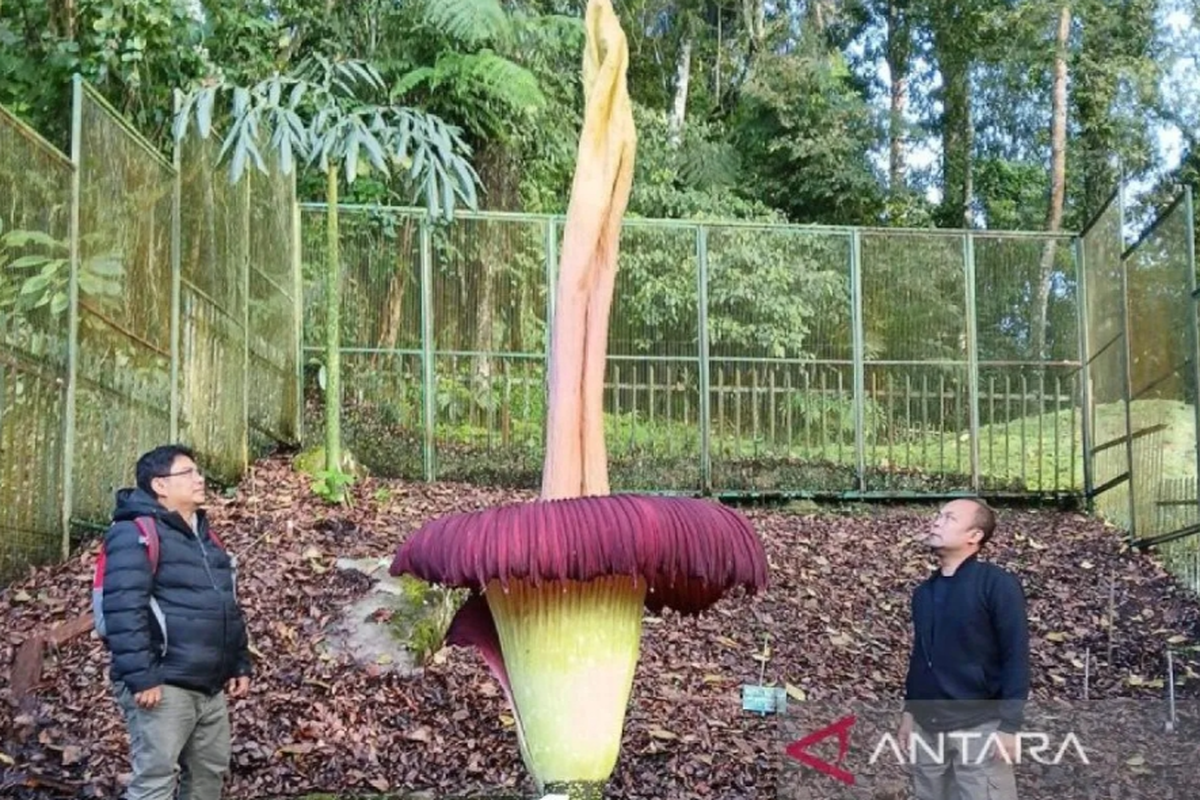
(133, 51)
(805, 131)
(495, 85)
(469, 21)
(321, 116)
(41, 266)
(331, 485)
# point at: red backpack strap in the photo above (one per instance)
(216, 539)
(149, 529)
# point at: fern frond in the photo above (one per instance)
(412, 79)
(469, 21)
(493, 76)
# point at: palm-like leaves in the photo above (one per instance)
(469, 21)
(485, 74)
(322, 116)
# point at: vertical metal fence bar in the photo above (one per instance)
(1190, 243)
(176, 273)
(68, 450)
(705, 416)
(1126, 363)
(428, 388)
(551, 274)
(858, 356)
(245, 275)
(972, 357)
(1085, 376)
(298, 311)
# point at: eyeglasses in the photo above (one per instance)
(189, 471)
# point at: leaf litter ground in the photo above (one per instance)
(832, 628)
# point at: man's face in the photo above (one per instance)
(953, 529)
(183, 486)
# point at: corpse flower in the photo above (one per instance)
(558, 585)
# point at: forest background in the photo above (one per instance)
(1018, 114)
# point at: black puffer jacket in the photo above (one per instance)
(205, 641)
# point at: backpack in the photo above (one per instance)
(149, 538)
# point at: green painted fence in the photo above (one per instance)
(742, 359)
(143, 299)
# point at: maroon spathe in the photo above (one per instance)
(689, 552)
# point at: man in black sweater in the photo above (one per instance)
(176, 632)
(968, 673)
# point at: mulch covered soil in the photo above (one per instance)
(836, 614)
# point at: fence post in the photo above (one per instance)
(858, 356)
(1127, 360)
(705, 419)
(176, 272)
(245, 267)
(972, 357)
(1085, 378)
(1190, 237)
(68, 450)
(428, 388)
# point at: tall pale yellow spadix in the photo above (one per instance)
(558, 585)
(576, 463)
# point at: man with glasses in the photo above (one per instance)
(176, 633)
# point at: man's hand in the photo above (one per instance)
(1006, 747)
(149, 698)
(906, 730)
(237, 687)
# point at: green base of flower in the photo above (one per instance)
(578, 790)
(570, 652)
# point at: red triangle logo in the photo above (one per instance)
(799, 749)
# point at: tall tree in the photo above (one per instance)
(1115, 49)
(1058, 179)
(897, 54)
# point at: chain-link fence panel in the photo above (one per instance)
(917, 401)
(652, 394)
(780, 326)
(380, 329)
(1108, 408)
(1163, 370)
(1027, 323)
(35, 267)
(215, 225)
(488, 296)
(272, 369)
(124, 396)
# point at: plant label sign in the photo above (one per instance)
(764, 699)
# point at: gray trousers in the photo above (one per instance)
(953, 766)
(185, 737)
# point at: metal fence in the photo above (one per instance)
(742, 358)
(1143, 370)
(143, 299)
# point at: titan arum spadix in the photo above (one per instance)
(558, 585)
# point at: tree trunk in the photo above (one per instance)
(393, 307)
(898, 50)
(957, 137)
(683, 72)
(756, 22)
(333, 369)
(1058, 180)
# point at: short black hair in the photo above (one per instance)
(985, 519)
(157, 463)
